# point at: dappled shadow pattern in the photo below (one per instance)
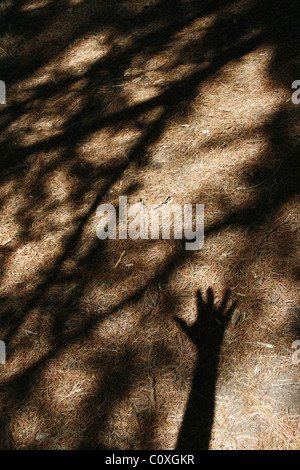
(86, 99)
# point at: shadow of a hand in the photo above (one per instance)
(207, 334)
(211, 320)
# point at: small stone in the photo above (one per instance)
(275, 298)
(294, 228)
(235, 317)
(40, 436)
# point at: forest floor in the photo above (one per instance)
(165, 102)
